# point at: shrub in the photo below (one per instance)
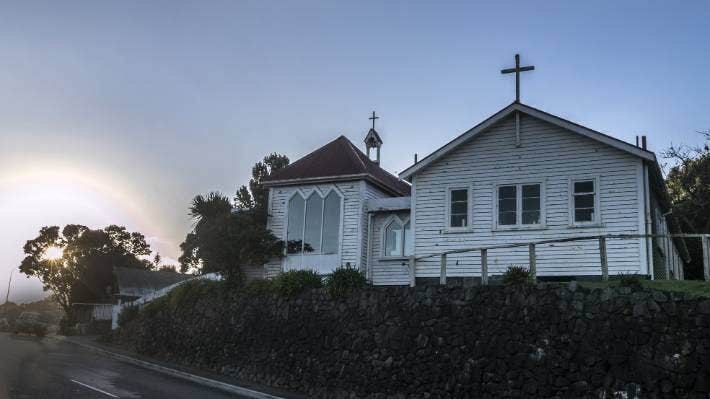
(296, 281)
(67, 326)
(344, 280)
(258, 286)
(629, 280)
(517, 275)
(128, 314)
(152, 308)
(192, 291)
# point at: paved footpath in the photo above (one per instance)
(47, 368)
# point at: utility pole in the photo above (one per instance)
(7, 296)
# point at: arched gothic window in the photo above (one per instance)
(398, 239)
(314, 223)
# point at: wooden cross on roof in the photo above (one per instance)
(373, 118)
(517, 71)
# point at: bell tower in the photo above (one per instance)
(372, 139)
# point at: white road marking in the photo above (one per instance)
(93, 388)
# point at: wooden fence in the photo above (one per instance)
(603, 259)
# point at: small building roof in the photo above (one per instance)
(139, 282)
(389, 204)
(372, 138)
(339, 160)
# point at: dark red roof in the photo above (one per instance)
(339, 159)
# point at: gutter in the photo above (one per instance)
(329, 179)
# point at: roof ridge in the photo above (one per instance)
(355, 152)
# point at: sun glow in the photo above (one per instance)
(53, 253)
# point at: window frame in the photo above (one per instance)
(383, 233)
(469, 208)
(519, 206)
(305, 195)
(597, 220)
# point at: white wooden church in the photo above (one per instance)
(522, 175)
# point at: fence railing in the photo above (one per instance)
(532, 254)
(86, 312)
(118, 308)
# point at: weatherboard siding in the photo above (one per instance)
(349, 249)
(370, 192)
(386, 271)
(549, 155)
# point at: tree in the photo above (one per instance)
(688, 183)
(224, 240)
(207, 213)
(156, 260)
(256, 196)
(81, 267)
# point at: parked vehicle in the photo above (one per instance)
(29, 323)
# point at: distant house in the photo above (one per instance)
(522, 175)
(131, 283)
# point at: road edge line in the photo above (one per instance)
(223, 386)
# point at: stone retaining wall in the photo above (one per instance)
(442, 342)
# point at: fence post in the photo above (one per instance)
(706, 257)
(603, 258)
(484, 266)
(442, 278)
(533, 264)
(412, 279)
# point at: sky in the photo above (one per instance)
(119, 112)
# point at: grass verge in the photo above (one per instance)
(693, 287)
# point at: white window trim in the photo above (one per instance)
(469, 209)
(597, 222)
(519, 206)
(383, 238)
(305, 194)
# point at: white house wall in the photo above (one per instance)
(548, 155)
(386, 271)
(369, 192)
(349, 248)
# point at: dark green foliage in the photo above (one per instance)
(227, 237)
(344, 280)
(190, 292)
(84, 271)
(259, 286)
(128, 314)
(630, 280)
(688, 184)
(256, 196)
(185, 296)
(67, 326)
(224, 240)
(517, 275)
(294, 282)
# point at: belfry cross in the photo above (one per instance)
(373, 118)
(517, 71)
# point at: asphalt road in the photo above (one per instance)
(45, 368)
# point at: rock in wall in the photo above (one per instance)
(442, 342)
